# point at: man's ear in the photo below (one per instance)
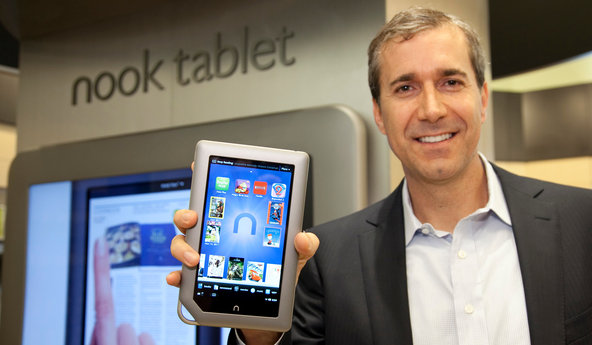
(378, 116)
(484, 100)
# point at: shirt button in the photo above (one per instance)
(462, 254)
(469, 309)
(425, 231)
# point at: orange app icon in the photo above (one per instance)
(260, 187)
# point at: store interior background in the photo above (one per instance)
(540, 80)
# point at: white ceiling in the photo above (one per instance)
(574, 71)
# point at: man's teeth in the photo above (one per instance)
(435, 139)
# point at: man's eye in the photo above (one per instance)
(403, 88)
(453, 83)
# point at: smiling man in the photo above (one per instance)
(462, 252)
(431, 107)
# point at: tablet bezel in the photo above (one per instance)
(205, 149)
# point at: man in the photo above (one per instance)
(461, 252)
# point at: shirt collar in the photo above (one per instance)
(496, 202)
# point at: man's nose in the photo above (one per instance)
(431, 108)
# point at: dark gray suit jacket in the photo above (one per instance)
(354, 290)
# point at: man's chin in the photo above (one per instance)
(437, 172)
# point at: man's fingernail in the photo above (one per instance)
(186, 217)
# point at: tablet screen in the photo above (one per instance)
(133, 213)
(134, 221)
(242, 245)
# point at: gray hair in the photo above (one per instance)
(405, 25)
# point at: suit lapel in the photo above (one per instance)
(382, 253)
(538, 240)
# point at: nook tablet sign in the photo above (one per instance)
(221, 61)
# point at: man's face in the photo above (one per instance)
(431, 108)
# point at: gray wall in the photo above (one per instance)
(545, 124)
(311, 53)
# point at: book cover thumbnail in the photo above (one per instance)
(213, 231)
(236, 268)
(275, 212)
(255, 271)
(271, 237)
(216, 266)
(202, 264)
(273, 274)
(217, 205)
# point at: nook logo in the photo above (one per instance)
(221, 61)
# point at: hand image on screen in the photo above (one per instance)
(105, 331)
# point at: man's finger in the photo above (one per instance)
(306, 244)
(183, 252)
(185, 219)
(105, 332)
(174, 278)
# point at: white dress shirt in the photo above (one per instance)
(466, 288)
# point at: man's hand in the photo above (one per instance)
(105, 332)
(183, 219)
(306, 245)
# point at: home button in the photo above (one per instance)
(236, 308)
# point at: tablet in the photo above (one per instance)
(250, 204)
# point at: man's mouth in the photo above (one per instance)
(436, 138)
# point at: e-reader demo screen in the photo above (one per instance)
(243, 231)
(133, 215)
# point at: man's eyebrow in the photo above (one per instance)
(402, 78)
(449, 72)
(453, 71)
